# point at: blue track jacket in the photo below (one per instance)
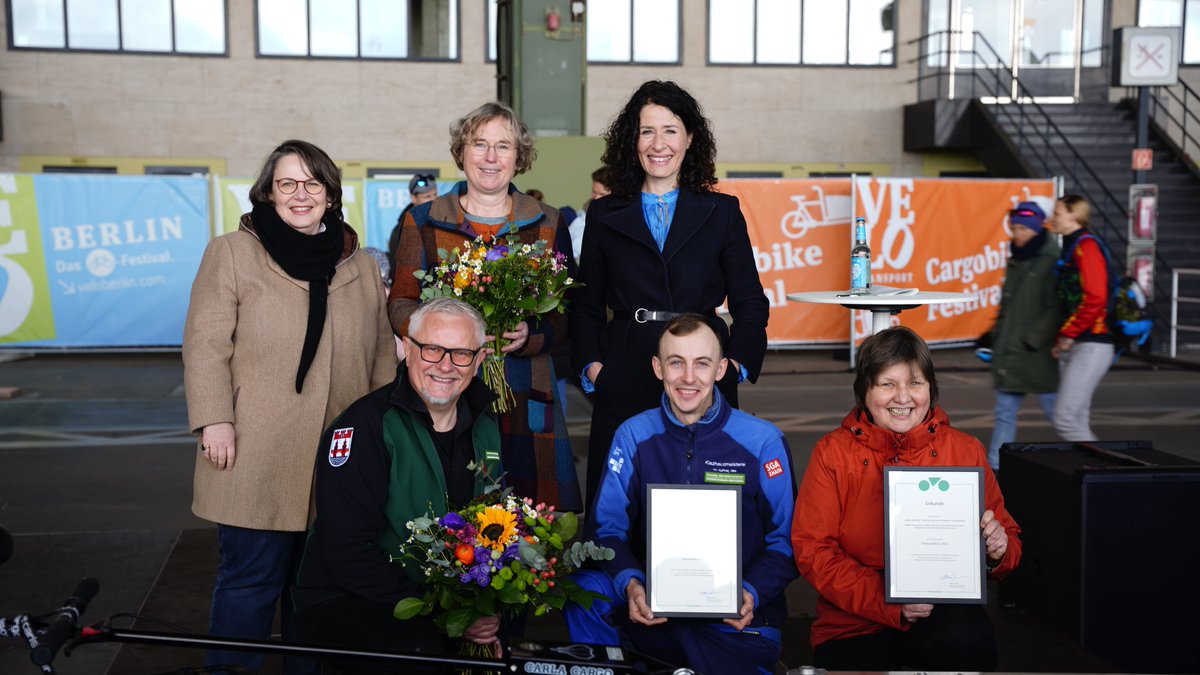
(726, 446)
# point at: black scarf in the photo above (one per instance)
(1031, 248)
(311, 258)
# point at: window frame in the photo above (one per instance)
(358, 41)
(120, 37)
(1183, 20)
(631, 62)
(799, 29)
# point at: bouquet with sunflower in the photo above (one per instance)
(508, 282)
(499, 555)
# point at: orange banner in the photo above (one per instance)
(925, 233)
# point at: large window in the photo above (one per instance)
(363, 29)
(143, 26)
(802, 32)
(633, 31)
(1180, 13)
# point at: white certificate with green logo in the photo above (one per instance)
(934, 550)
(694, 550)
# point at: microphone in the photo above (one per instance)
(6, 545)
(62, 626)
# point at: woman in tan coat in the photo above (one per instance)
(287, 327)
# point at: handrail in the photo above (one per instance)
(1175, 300)
(1072, 164)
(1037, 136)
(1162, 101)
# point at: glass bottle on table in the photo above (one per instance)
(860, 260)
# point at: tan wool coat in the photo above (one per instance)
(241, 349)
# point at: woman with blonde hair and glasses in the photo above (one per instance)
(491, 146)
(286, 328)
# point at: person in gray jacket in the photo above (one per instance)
(1026, 328)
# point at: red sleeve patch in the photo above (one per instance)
(339, 446)
(773, 468)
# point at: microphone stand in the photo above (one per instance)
(518, 661)
(104, 633)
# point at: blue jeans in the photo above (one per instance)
(257, 568)
(1005, 429)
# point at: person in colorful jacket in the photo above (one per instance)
(491, 146)
(1084, 348)
(693, 437)
(838, 528)
(1026, 328)
(392, 456)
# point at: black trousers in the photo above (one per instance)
(351, 622)
(952, 638)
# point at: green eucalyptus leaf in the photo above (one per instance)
(532, 555)
(566, 525)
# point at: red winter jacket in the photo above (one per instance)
(837, 528)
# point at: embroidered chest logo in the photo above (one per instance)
(773, 468)
(339, 447)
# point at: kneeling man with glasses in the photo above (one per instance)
(391, 456)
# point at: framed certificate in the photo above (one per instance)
(934, 550)
(694, 550)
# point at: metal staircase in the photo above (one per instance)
(1089, 146)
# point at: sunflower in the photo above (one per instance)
(496, 527)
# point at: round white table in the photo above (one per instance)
(882, 302)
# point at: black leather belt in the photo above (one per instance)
(643, 315)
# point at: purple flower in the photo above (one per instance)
(480, 574)
(452, 521)
(496, 253)
(511, 553)
(483, 555)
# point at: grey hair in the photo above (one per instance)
(463, 131)
(451, 306)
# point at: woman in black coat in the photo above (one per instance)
(661, 244)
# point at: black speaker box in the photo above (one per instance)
(1111, 539)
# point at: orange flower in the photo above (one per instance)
(465, 553)
(463, 278)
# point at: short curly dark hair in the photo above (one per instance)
(699, 170)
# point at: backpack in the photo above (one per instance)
(1128, 321)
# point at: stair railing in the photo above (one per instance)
(1039, 143)
(1175, 110)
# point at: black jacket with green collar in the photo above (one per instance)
(377, 470)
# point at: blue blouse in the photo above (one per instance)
(659, 210)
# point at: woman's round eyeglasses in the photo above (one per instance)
(288, 185)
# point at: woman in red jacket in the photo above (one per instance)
(838, 528)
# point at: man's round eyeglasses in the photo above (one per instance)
(480, 149)
(288, 185)
(435, 354)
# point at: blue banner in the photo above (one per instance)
(386, 200)
(121, 253)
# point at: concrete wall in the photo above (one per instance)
(232, 110)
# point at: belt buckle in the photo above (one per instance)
(637, 315)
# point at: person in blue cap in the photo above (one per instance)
(1027, 326)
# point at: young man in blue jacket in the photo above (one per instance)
(694, 437)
